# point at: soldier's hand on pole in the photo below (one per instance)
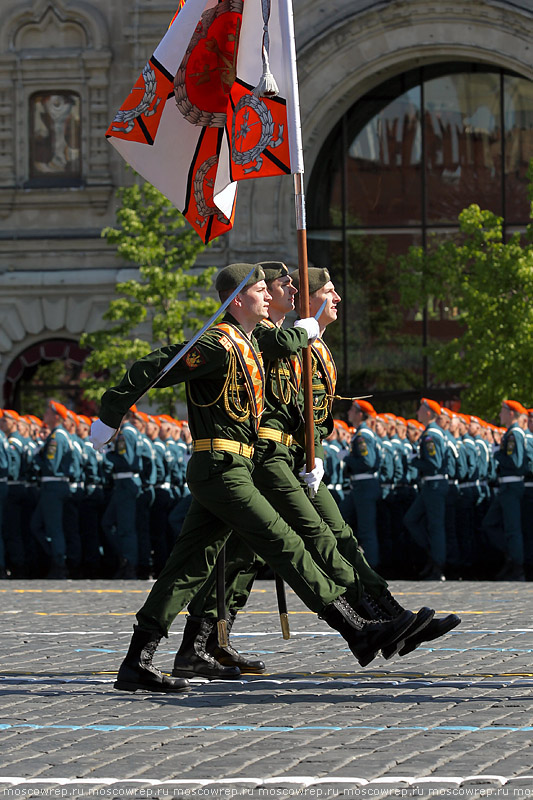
(100, 435)
(311, 327)
(313, 478)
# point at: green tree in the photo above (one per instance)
(156, 310)
(489, 285)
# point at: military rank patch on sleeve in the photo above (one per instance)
(225, 342)
(430, 446)
(51, 449)
(362, 446)
(511, 445)
(194, 358)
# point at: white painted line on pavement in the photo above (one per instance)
(302, 780)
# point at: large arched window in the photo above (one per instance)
(400, 165)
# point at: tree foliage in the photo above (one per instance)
(488, 283)
(167, 301)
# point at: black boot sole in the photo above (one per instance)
(132, 686)
(446, 625)
(394, 634)
(192, 673)
(422, 620)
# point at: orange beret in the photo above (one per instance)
(59, 409)
(365, 406)
(514, 405)
(340, 423)
(446, 412)
(142, 415)
(431, 404)
(475, 419)
(401, 421)
(36, 420)
(153, 419)
(133, 409)
(412, 423)
(84, 419)
(9, 412)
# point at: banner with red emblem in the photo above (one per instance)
(193, 125)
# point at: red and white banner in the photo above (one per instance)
(192, 125)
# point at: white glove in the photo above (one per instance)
(310, 326)
(100, 434)
(313, 478)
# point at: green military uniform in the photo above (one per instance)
(222, 418)
(328, 538)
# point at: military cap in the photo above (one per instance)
(273, 269)
(446, 412)
(9, 412)
(431, 404)
(412, 423)
(365, 406)
(401, 421)
(514, 405)
(84, 420)
(340, 423)
(59, 409)
(318, 277)
(229, 278)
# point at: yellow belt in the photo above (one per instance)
(226, 445)
(276, 436)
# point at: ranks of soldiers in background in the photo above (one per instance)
(363, 464)
(66, 537)
(503, 520)
(97, 539)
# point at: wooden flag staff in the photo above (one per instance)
(307, 372)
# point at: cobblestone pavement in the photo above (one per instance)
(452, 720)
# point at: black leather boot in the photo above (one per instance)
(365, 638)
(137, 670)
(229, 656)
(393, 609)
(437, 627)
(193, 658)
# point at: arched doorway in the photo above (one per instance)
(48, 369)
(399, 166)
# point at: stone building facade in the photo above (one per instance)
(66, 66)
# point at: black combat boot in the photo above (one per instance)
(393, 609)
(229, 656)
(437, 627)
(365, 638)
(137, 670)
(193, 658)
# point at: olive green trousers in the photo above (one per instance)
(225, 499)
(326, 535)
